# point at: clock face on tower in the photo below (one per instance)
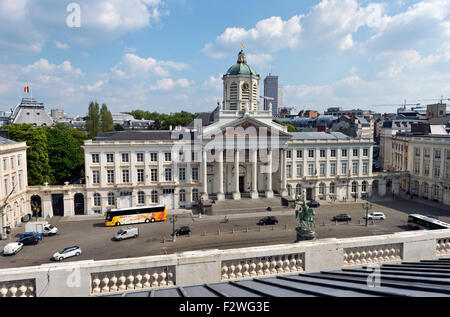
(245, 86)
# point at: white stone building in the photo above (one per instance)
(13, 186)
(239, 153)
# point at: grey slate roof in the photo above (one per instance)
(6, 141)
(417, 279)
(319, 136)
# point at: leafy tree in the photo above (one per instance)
(65, 155)
(164, 121)
(290, 127)
(93, 120)
(38, 164)
(107, 119)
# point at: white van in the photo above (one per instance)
(130, 232)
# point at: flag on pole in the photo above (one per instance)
(26, 90)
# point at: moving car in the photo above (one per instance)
(50, 230)
(314, 204)
(376, 216)
(130, 232)
(270, 220)
(29, 240)
(342, 217)
(12, 248)
(182, 231)
(67, 253)
(31, 234)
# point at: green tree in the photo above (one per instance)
(65, 155)
(290, 127)
(107, 119)
(38, 165)
(93, 120)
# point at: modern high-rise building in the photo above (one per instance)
(273, 89)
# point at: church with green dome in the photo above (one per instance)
(241, 86)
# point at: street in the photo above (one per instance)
(210, 232)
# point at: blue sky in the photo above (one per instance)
(169, 55)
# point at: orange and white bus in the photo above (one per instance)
(126, 216)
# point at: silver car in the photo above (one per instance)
(130, 232)
(67, 253)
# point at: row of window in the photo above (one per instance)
(312, 171)
(12, 161)
(125, 157)
(426, 169)
(332, 188)
(323, 153)
(427, 152)
(110, 175)
(141, 199)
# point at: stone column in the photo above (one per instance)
(382, 188)
(236, 194)
(254, 193)
(220, 194)
(205, 176)
(284, 191)
(269, 191)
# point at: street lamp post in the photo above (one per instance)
(173, 220)
(367, 206)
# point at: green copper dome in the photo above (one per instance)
(241, 68)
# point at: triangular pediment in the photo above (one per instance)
(248, 125)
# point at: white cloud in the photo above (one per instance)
(62, 46)
(135, 67)
(166, 84)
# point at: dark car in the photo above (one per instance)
(268, 221)
(182, 231)
(30, 240)
(313, 204)
(31, 234)
(342, 217)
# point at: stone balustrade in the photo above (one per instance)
(24, 288)
(443, 247)
(140, 279)
(262, 266)
(376, 254)
(91, 278)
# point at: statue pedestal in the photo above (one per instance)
(304, 235)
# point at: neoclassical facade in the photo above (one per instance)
(240, 153)
(13, 186)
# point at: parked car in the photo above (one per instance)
(270, 220)
(313, 204)
(67, 253)
(342, 217)
(31, 234)
(29, 240)
(12, 248)
(376, 216)
(130, 232)
(182, 231)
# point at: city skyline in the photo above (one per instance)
(326, 53)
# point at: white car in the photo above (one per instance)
(50, 230)
(66, 253)
(12, 248)
(376, 216)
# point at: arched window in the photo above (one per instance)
(289, 190)
(364, 187)
(111, 199)
(298, 190)
(354, 187)
(322, 189)
(332, 188)
(425, 188)
(195, 194)
(97, 200)
(154, 197)
(141, 198)
(435, 190)
(182, 195)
